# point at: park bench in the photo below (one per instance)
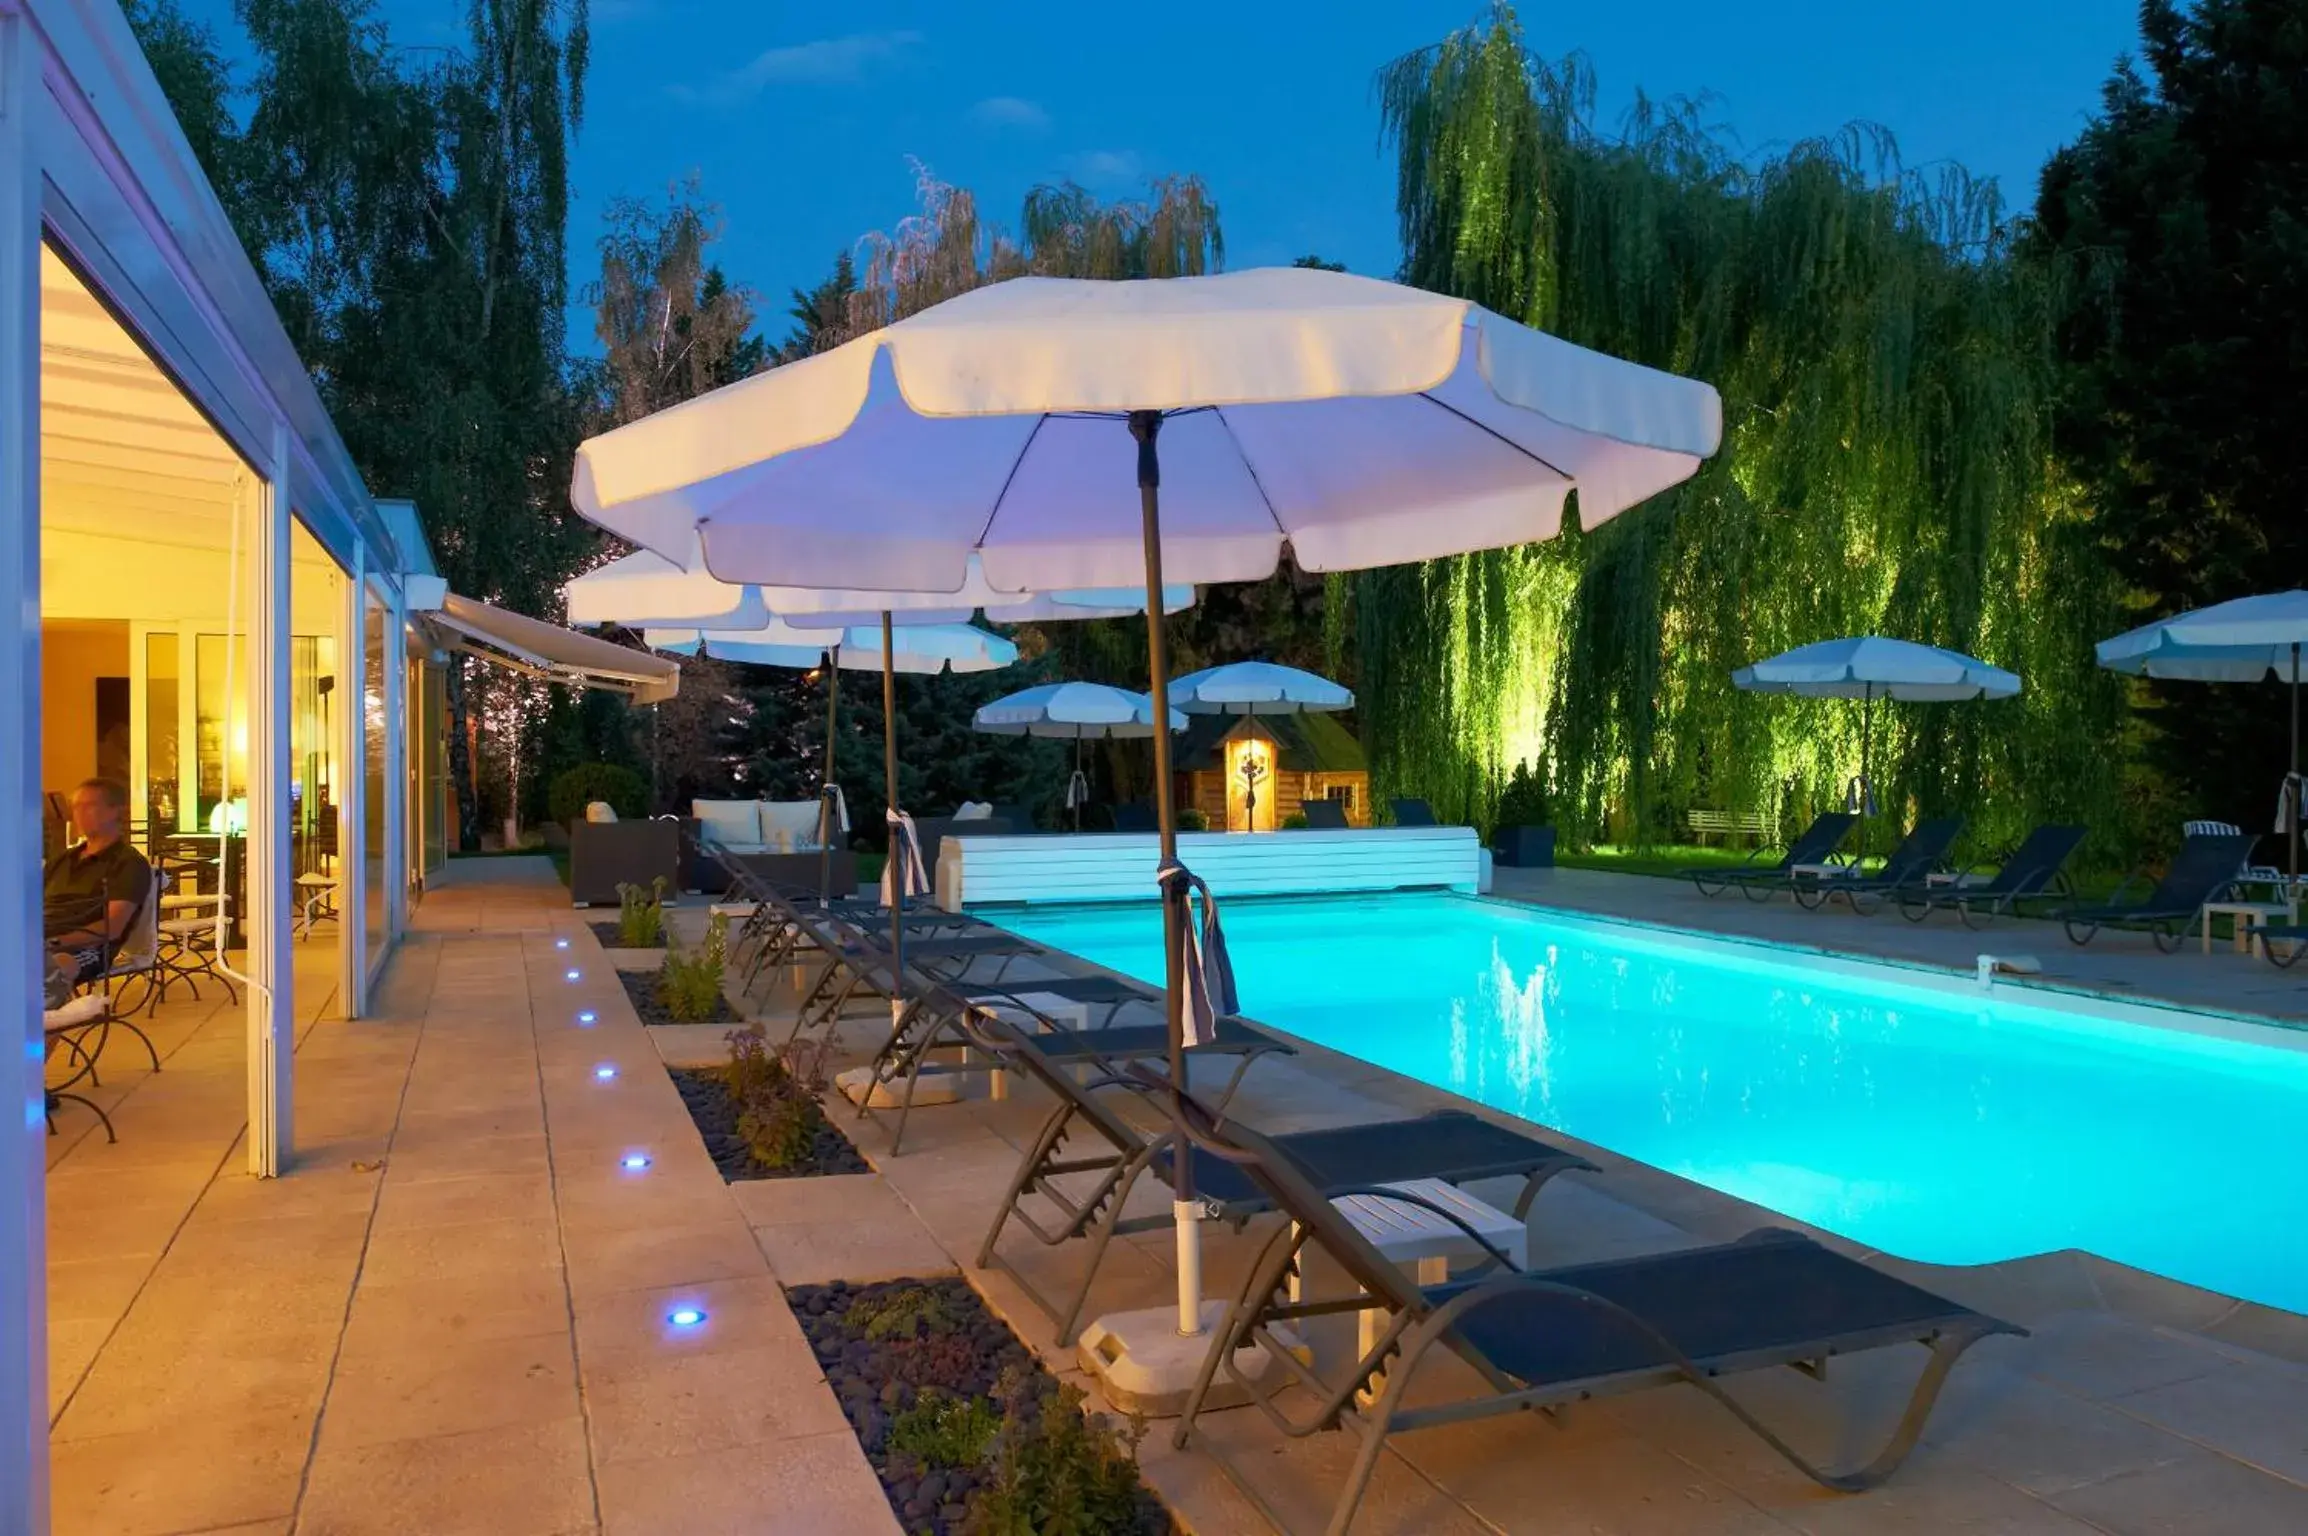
(1730, 824)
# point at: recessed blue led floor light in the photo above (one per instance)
(685, 1317)
(633, 1162)
(573, 975)
(605, 1071)
(560, 943)
(587, 1017)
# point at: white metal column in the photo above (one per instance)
(395, 884)
(269, 893)
(23, 1216)
(353, 791)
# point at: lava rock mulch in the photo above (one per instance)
(714, 1108)
(613, 937)
(887, 1347)
(641, 987)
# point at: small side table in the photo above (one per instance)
(1422, 1242)
(2249, 916)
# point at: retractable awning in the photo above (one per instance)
(548, 651)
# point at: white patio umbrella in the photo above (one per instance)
(1256, 688)
(2244, 640)
(914, 650)
(1075, 712)
(1867, 668)
(1359, 422)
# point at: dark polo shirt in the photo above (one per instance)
(75, 887)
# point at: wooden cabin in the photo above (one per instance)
(1252, 772)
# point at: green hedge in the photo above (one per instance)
(576, 788)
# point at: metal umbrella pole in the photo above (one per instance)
(2292, 797)
(1144, 426)
(898, 839)
(825, 810)
(1866, 752)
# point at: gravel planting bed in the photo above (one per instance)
(613, 937)
(714, 1108)
(641, 987)
(939, 1347)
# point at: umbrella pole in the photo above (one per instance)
(2292, 796)
(1866, 785)
(1143, 426)
(897, 872)
(825, 818)
(1078, 774)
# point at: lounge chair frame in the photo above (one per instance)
(1371, 1399)
(1130, 1155)
(1759, 881)
(2034, 871)
(2204, 870)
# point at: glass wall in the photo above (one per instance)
(317, 728)
(159, 728)
(374, 851)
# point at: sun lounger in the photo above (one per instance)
(1087, 1159)
(1547, 1338)
(1758, 880)
(2202, 871)
(938, 1019)
(1413, 813)
(2036, 869)
(1323, 815)
(1912, 863)
(2292, 938)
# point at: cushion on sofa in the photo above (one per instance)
(731, 823)
(789, 826)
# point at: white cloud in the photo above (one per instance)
(822, 61)
(1009, 112)
(1106, 166)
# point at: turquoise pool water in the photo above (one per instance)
(1913, 1120)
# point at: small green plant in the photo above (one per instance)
(1525, 802)
(641, 915)
(776, 1118)
(941, 1430)
(576, 788)
(690, 984)
(911, 1311)
(1192, 819)
(1056, 1471)
(1294, 822)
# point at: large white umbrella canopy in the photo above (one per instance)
(1257, 688)
(1072, 712)
(645, 590)
(1075, 712)
(924, 648)
(1359, 423)
(1870, 667)
(2244, 640)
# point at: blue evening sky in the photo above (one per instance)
(800, 120)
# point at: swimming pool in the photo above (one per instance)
(1914, 1118)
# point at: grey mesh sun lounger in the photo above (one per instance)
(2034, 870)
(1413, 813)
(1546, 1338)
(1323, 815)
(1087, 1158)
(937, 1020)
(1759, 880)
(2203, 870)
(1911, 864)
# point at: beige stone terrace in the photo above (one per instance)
(451, 1316)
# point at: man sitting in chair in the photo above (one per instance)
(93, 890)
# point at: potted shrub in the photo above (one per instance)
(1525, 838)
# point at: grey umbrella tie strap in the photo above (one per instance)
(2288, 803)
(1077, 790)
(1210, 993)
(837, 822)
(902, 874)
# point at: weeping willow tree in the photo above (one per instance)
(1885, 376)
